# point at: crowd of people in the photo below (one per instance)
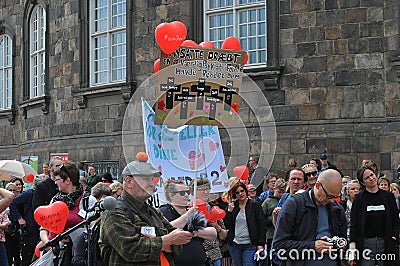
(311, 215)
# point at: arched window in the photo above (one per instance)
(5, 72)
(37, 52)
(107, 42)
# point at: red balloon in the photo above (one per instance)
(156, 66)
(190, 43)
(231, 43)
(242, 172)
(30, 178)
(156, 180)
(217, 213)
(201, 207)
(170, 36)
(37, 251)
(206, 44)
(246, 58)
(52, 217)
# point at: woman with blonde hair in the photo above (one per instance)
(395, 189)
(349, 192)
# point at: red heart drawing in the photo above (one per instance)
(192, 159)
(159, 146)
(222, 168)
(170, 36)
(217, 213)
(52, 217)
(213, 145)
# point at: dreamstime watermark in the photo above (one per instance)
(332, 254)
(254, 134)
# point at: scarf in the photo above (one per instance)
(69, 198)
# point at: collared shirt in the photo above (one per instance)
(121, 242)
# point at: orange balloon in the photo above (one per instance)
(142, 156)
(242, 172)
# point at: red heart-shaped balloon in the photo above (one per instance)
(201, 207)
(156, 66)
(170, 36)
(242, 172)
(231, 43)
(52, 217)
(217, 213)
(189, 43)
(206, 44)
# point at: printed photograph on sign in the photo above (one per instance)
(199, 86)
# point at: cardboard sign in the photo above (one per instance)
(199, 86)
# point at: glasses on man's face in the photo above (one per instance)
(328, 196)
(239, 191)
(311, 173)
(57, 179)
(181, 192)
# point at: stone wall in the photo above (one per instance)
(338, 91)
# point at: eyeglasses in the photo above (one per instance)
(311, 173)
(182, 192)
(57, 179)
(238, 192)
(328, 196)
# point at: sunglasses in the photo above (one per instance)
(238, 192)
(328, 196)
(311, 173)
(182, 192)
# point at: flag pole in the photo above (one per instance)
(196, 164)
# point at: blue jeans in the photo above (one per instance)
(3, 254)
(217, 262)
(242, 254)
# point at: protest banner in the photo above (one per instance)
(172, 152)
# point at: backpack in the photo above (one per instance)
(95, 235)
(300, 210)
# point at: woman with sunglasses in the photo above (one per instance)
(175, 211)
(374, 225)
(311, 175)
(245, 222)
(71, 192)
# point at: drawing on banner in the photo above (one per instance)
(173, 153)
(199, 86)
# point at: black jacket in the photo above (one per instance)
(255, 222)
(357, 228)
(44, 192)
(300, 235)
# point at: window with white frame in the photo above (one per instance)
(243, 19)
(5, 72)
(107, 41)
(37, 52)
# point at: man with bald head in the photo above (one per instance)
(308, 219)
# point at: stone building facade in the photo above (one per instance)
(331, 78)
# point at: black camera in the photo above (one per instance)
(338, 242)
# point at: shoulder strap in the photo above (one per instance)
(300, 210)
(126, 209)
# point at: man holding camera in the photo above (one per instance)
(311, 226)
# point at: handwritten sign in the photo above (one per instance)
(52, 217)
(199, 86)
